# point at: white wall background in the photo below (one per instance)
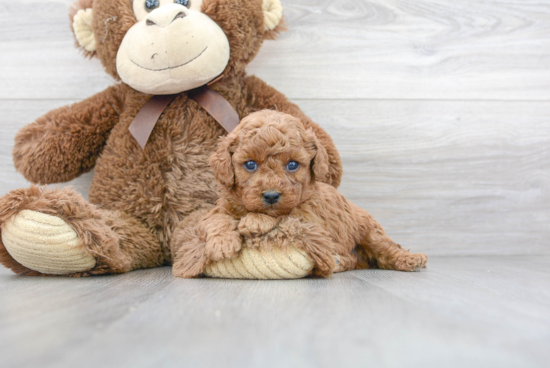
(440, 108)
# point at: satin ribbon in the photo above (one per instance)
(213, 102)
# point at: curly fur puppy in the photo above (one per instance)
(270, 169)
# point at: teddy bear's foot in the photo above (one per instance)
(45, 244)
(56, 232)
(262, 264)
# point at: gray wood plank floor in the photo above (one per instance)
(441, 110)
(352, 49)
(463, 311)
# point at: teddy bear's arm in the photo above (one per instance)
(262, 96)
(65, 143)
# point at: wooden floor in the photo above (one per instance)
(441, 112)
(460, 312)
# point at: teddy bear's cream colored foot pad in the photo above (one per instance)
(261, 264)
(45, 244)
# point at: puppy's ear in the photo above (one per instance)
(222, 163)
(320, 161)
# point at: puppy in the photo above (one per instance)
(272, 173)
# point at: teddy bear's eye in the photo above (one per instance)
(151, 5)
(292, 166)
(250, 166)
(183, 2)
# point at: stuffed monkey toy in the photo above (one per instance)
(180, 67)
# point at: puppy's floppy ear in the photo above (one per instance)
(222, 163)
(320, 160)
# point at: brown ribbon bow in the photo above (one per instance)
(213, 102)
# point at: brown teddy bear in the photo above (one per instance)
(181, 66)
(275, 219)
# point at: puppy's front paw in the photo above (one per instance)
(257, 224)
(225, 246)
(410, 262)
(190, 260)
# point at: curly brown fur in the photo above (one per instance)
(264, 96)
(310, 213)
(170, 181)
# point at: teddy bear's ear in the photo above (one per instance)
(81, 16)
(273, 18)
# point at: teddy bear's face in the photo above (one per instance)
(172, 46)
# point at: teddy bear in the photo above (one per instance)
(181, 85)
(274, 218)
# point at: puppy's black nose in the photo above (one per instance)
(271, 197)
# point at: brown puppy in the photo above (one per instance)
(270, 169)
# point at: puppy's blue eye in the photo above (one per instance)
(151, 5)
(251, 166)
(293, 166)
(183, 2)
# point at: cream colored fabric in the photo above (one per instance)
(45, 244)
(171, 54)
(273, 14)
(82, 25)
(261, 264)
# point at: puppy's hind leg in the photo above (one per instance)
(378, 250)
